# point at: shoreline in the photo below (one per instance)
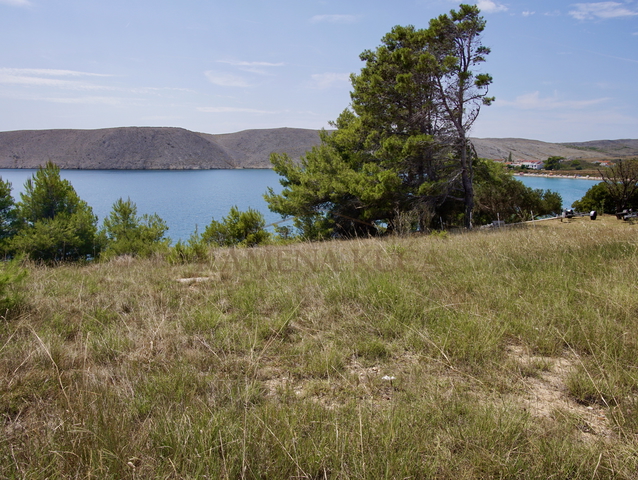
(549, 175)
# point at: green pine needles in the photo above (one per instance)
(403, 145)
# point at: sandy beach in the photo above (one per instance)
(551, 175)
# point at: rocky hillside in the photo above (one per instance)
(252, 148)
(112, 148)
(522, 149)
(616, 148)
(177, 148)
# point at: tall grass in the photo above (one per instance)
(417, 357)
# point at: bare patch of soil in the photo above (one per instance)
(546, 395)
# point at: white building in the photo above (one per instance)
(532, 164)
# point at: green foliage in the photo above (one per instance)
(622, 182)
(63, 238)
(127, 234)
(192, 250)
(284, 233)
(8, 215)
(576, 165)
(55, 224)
(599, 198)
(500, 196)
(596, 198)
(325, 193)
(553, 163)
(243, 229)
(403, 147)
(47, 195)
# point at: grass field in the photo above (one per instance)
(507, 354)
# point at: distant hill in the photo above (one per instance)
(161, 148)
(252, 148)
(112, 148)
(617, 148)
(522, 149)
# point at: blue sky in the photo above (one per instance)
(563, 71)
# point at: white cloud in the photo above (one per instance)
(232, 110)
(42, 77)
(16, 3)
(528, 13)
(329, 80)
(335, 18)
(589, 11)
(49, 72)
(241, 63)
(38, 79)
(81, 100)
(489, 6)
(260, 68)
(534, 101)
(90, 100)
(225, 79)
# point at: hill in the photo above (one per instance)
(524, 149)
(622, 148)
(112, 148)
(132, 148)
(252, 148)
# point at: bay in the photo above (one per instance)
(570, 189)
(190, 199)
(184, 199)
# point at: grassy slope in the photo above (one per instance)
(514, 355)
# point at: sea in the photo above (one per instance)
(187, 200)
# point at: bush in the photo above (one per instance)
(596, 198)
(192, 250)
(243, 229)
(124, 233)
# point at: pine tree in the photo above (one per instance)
(54, 223)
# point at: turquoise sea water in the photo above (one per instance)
(189, 198)
(570, 189)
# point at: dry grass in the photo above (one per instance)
(509, 354)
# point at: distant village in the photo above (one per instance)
(540, 164)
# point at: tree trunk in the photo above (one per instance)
(467, 181)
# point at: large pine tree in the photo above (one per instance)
(401, 151)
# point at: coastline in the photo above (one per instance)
(550, 175)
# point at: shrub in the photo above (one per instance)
(192, 250)
(244, 229)
(126, 233)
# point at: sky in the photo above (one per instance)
(563, 71)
